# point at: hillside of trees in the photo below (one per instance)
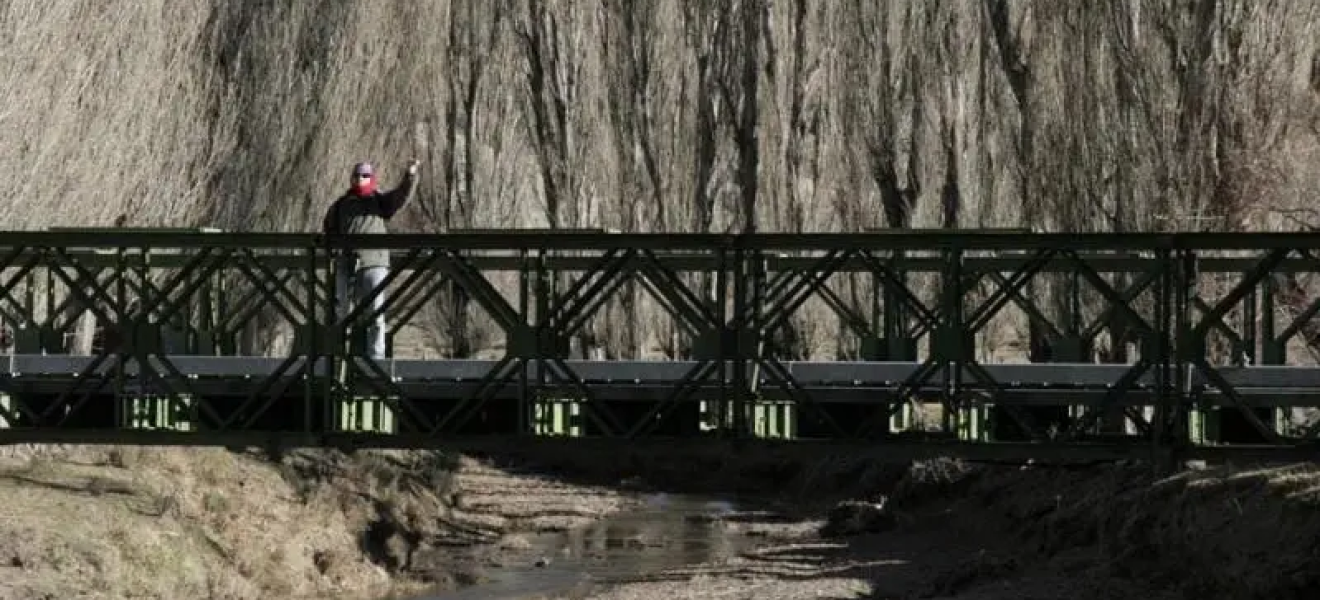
(667, 115)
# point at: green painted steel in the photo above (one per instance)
(158, 412)
(558, 418)
(365, 414)
(774, 420)
(1173, 308)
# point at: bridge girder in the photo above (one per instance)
(1206, 321)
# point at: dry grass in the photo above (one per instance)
(127, 522)
(163, 523)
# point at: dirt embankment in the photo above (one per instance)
(955, 531)
(80, 522)
(1222, 532)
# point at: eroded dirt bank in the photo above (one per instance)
(80, 522)
(980, 533)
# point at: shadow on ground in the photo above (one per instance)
(1115, 531)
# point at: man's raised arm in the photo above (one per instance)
(395, 199)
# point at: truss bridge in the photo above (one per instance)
(982, 344)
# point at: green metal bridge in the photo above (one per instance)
(1141, 345)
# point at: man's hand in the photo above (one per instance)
(412, 166)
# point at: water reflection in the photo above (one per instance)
(665, 532)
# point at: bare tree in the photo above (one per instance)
(1013, 61)
(874, 115)
(874, 111)
(805, 120)
(631, 52)
(705, 25)
(448, 137)
(674, 116)
(740, 88)
(550, 36)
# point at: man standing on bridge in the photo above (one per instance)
(364, 209)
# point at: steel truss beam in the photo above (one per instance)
(181, 313)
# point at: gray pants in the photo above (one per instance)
(367, 280)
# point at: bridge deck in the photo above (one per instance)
(250, 399)
(1032, 383)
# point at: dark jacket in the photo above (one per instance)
(352, 214)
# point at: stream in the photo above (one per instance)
(666, 531)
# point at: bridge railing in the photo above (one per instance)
(1162, 339)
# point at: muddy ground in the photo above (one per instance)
(956, 531)
(86, 522)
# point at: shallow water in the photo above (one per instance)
(665, 532)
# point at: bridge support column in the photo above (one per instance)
(557, 417)
(364, 414)
(971, 421)
(895, 347)
(710, 413)
(1273, 351)
(774, 420)
(1069, 346)
(1046, 418)
(1213, 425)
(359, 405)
(158, 412)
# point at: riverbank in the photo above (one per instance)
(210, 523)
(996, 533)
